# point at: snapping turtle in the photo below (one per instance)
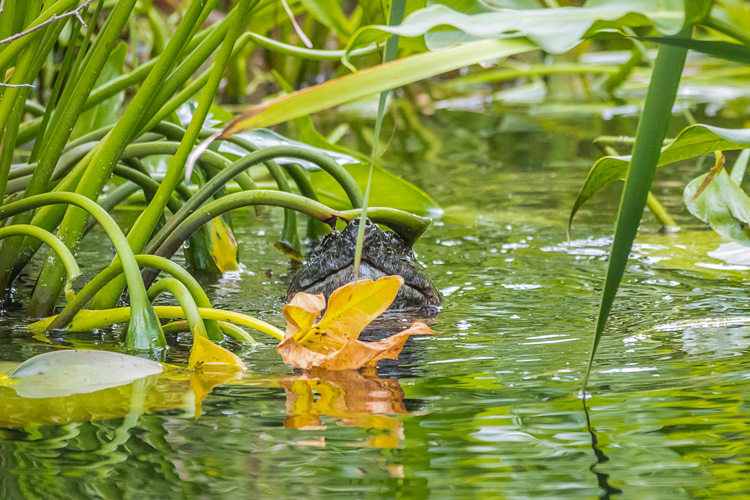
(331, 265)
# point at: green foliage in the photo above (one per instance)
(652, 129)
(693, 141)
(107, 111)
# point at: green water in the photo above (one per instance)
(489, 408)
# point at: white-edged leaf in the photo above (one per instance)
(62, 373)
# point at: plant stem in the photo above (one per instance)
(71, 266)
(114, 270)
(185, 300)
(91, 320)
(144, 331)
(212, 186)
(108, 153)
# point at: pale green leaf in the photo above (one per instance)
(62, 373)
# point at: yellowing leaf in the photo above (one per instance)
(302, 311)
(207, 356)
(353, 398)
(332, 343)
(353, 306)
(222, 245)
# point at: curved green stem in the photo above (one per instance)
(90, 320)
(310, 54)
(228, 329)
(144, 330)
(212, 186)
(180, 292)
(174, 239)
(50, 239)
(407, 225)
(114, 270)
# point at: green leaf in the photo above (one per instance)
(693, 141)
(738, 171)
(652, 128)
(62, 373)
(554, 30)
(722, 204)
(104, 113)
(372, 80)
(722, 50)
(330, 15)
(387, 190)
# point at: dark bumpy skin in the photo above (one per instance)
(331, 265)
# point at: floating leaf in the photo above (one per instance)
(332, 343)
(302, 311)
(62, 373)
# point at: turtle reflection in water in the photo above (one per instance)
(384, 253)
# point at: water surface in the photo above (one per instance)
(489, 408)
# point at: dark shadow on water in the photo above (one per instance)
(601, 458)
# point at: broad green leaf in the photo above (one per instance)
(310, 136)
(104, 113)
(722, 204)
(722, 50)
(363, 83)
(62, 373)
(555, 30)
(387, 190)
(693, 141)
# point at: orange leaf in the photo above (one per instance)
(302, 311)
(351, 308)
(353, 355)
(332, 343)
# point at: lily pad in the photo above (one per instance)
(62, 373)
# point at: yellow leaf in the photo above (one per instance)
(302, 311)
(351, 308)
(207, 356)
(332, 343)
(222, 245)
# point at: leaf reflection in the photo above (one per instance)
(353, 398)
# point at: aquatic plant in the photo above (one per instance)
(69, 128)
